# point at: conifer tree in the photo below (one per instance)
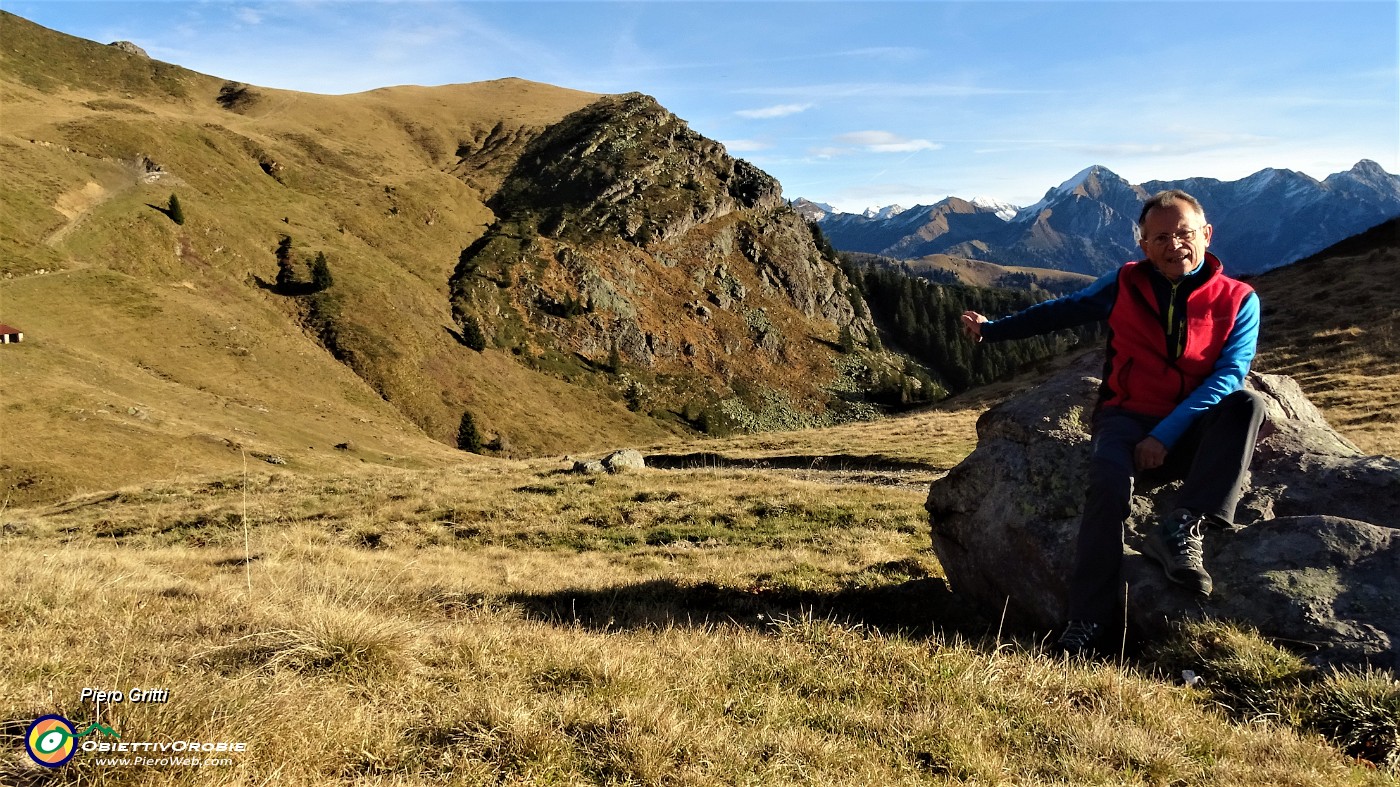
(175, 212)
(472, 335)
(287, 280)
(321, 273)
(468, 436)
(847, 340)
(614, 359)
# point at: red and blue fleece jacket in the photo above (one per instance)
(1175, 349)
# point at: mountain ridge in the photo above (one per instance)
(1085, 224)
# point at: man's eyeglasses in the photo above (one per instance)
(1180, 236)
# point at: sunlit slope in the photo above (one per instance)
(1332, 322)
(125, 310)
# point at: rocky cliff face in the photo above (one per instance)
(626, 239)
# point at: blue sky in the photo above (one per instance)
(861, 103)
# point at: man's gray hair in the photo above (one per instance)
(1166, 199)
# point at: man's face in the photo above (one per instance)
(1174, 238)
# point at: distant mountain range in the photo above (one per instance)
(1085, 225)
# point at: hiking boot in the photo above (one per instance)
(1078, 638)
(1176, 544)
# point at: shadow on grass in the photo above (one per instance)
(917, 607)
(841, 462)
(165, 211)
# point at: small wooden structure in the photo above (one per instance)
(9, 335)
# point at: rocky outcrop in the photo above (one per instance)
(1314, 560)
(626, 239)
(130, 48)
(625, 166)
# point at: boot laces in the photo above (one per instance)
(1079, 633)
(1186, 539)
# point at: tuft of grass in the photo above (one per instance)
(1256, 681)
(1250, 677)
(340, 642)
(1359, 711)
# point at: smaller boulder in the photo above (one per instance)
(589, 467)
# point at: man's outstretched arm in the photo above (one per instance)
(1091, 304)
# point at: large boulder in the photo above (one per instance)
(1314, 559)
(625, 461)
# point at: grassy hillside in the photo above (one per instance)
(663, 253)
(1331, 322)
(128, 313)
(977, 273)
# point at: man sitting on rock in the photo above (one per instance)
(1181, 337)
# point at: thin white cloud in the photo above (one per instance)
(745, 145)
(909, 146)
(248, 16)
(775, 111)
(1184, 143)
(885, 142)
(901, 54)
(867, 138)
(888, 90)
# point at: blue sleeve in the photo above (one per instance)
(1091, 304)
(1226, 378)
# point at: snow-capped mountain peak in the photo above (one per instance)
(812, 211)
(880, 214)
(1081, 179)
(1078, 180)
(1004, 210)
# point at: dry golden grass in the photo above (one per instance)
(1334, 326)
(910, 449)
(521, 626)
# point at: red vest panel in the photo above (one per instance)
(1142, 376)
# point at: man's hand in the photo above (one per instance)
(972, 325)
(1149, 454)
